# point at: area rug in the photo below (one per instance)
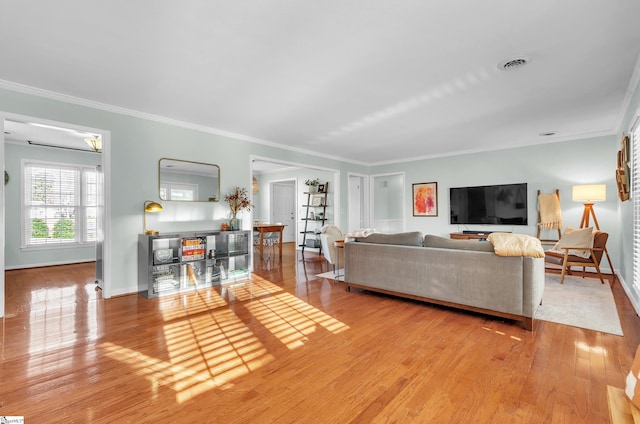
(332, 276)
(579, 302)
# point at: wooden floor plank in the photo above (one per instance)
(286, 346)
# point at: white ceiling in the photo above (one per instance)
(367, 81)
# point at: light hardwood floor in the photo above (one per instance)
(288, 347)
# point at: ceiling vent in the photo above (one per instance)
(513, 63)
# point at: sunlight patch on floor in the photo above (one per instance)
(209, 346)
(290, 318)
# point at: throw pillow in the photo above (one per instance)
(574, 237)
(632, 388)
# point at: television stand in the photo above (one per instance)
(473, 235)
(470, 235)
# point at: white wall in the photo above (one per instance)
(137, 143)
(545, 167)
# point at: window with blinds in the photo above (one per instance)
(60, 204)
(635, 198)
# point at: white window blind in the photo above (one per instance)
(59, 204)
(635, 198)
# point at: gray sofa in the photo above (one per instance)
(465, 274)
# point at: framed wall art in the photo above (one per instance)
(425, 199)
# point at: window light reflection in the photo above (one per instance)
(208, 345)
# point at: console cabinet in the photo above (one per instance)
(469, 236)
(172, 263)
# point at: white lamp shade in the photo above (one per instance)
(589, 193)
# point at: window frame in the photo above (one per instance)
(81, 206)
(634, 193)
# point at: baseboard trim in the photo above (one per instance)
(46, 264)
(628, 291)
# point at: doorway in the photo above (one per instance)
(59, 137)
(283, 207)
(358, 202)
(267, 171)
(387, 198)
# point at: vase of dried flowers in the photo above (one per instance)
(238, 201)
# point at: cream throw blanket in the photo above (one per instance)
(550, 212)
(362, 232)
(507, 244)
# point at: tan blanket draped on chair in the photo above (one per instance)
(550, 212)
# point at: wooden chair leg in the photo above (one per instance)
(599, 273)
(564, 268)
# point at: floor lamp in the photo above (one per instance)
(588, 194)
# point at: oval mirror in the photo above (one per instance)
(186, 181)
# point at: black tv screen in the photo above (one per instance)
(504, 204)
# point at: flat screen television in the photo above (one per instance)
(504, 204)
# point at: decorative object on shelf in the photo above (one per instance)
(316, 201)
(622, 171)
(425, 199)
(238, 201)
(94, 142)
(152, 207)
(321, 188)
(312, 184)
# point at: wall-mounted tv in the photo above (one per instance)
(504, 204)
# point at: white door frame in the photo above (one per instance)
(106, 167)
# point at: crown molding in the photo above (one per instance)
(631, 89)
(53, 95)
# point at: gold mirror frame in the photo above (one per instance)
(184, 175)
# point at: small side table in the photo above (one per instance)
(339, 244)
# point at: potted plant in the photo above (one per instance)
(238, 201)
(312, 184)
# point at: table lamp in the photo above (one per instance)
(150, 206)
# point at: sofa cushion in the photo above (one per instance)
(446, 243)
(413, 238)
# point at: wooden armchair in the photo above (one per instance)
(567, 260)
